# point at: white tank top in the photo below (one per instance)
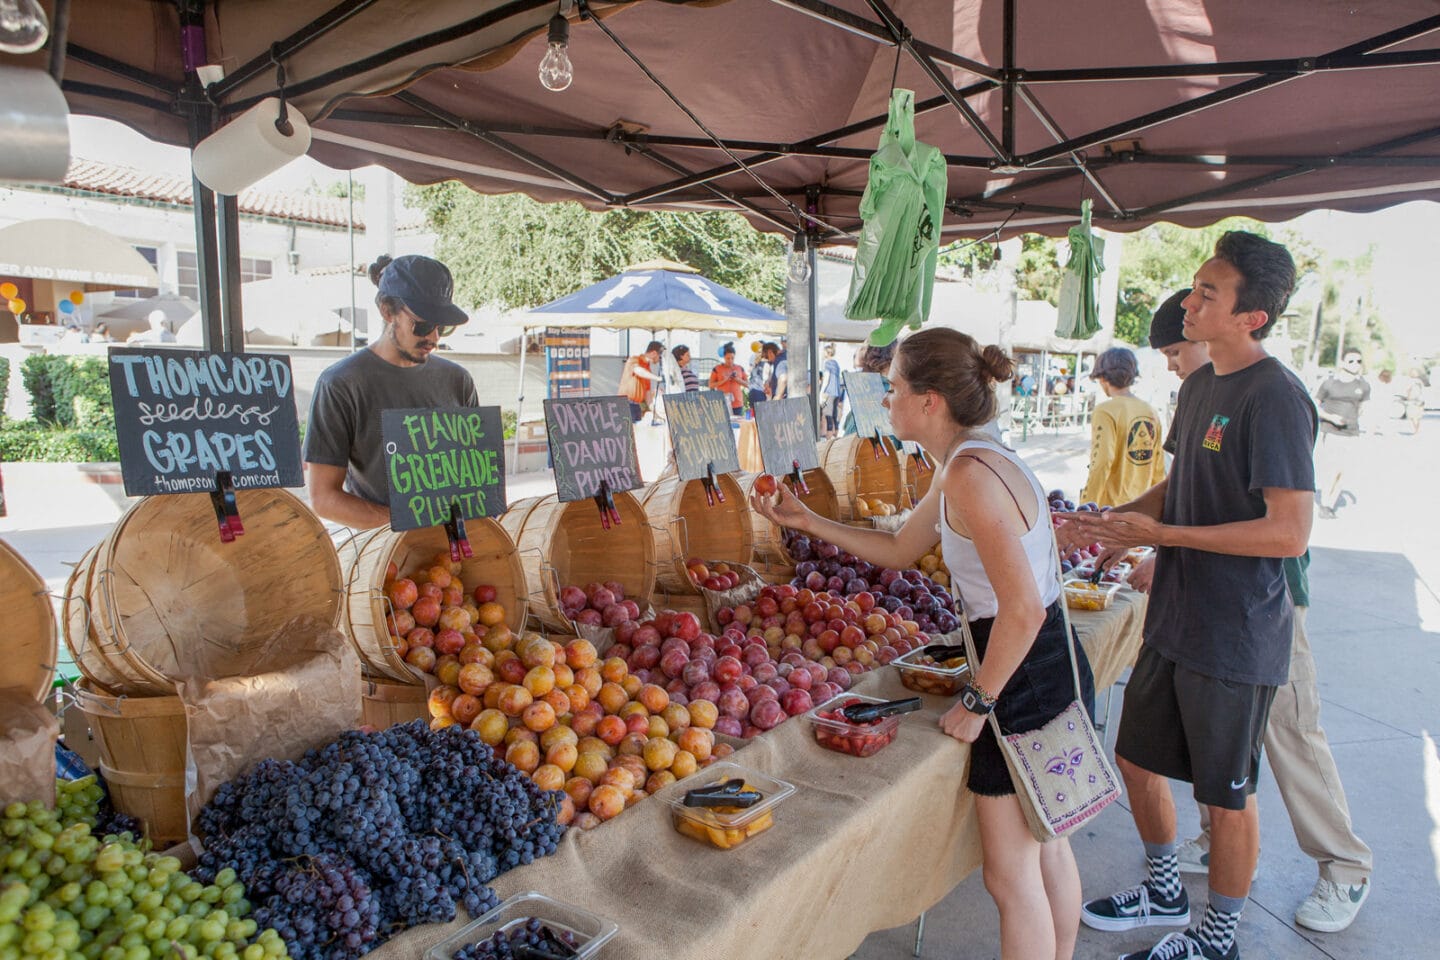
(967, 574)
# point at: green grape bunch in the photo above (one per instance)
(68, 894)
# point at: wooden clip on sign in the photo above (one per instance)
(445, 466)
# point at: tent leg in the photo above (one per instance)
(519, 398)
(812, 304)
(227, 232)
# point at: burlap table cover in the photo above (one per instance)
(863, 845)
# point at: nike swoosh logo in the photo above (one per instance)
(1239, 784)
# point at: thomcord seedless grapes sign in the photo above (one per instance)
(701, 433)
(786, 430)
(182, 416)
(439, 458)
(591, 443)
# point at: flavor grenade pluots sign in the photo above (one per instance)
(701, 433)
(437, 459)
(591, 443)
(786, 429)
(182, 417)
(867, 400)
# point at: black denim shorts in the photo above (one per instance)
(1039, 689)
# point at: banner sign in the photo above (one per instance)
(567, 361)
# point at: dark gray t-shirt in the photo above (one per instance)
(1343, 398)
(344, 426)
(1233, 436)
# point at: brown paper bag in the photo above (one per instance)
(749, 587)
(299, 690)
(28, 733)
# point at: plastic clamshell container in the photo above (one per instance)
(725, 831)
(1118, 573)
(1083, 595)
(928, 678)
(856, 739)
(591, 932)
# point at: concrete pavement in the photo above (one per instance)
(1374, 622)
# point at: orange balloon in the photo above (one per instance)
(8, 290)
(77, 297)
(17, 306)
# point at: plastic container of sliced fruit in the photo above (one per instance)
(857, 739)
(578, 929)
(937, 679)
(727, 828)
(1084, 595)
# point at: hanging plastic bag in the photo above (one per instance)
(1079, 311)
(903, 207)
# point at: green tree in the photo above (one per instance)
(515, 252)
(1037, 275)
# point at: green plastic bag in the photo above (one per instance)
(1079, 310)
(903, 207)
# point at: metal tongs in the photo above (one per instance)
(868, 712)
(605, 501)
(727, 793)
(942, 653)
(554, 949)
(797, 477)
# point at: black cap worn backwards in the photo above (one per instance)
(1167, 326)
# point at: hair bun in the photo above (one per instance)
(998, 365)
(378, 267)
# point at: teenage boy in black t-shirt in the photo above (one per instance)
(1219, 625)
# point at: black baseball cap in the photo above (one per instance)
(1167, 326)
(425, 285)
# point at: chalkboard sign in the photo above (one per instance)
(591, 442)
(786, 429)
(867, 394)
(701, 433)
(436, 458)
(183, 416)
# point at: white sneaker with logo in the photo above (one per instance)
(1331, 906)
(1194, 857)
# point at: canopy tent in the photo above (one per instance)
(1179, 110)
(133, 316)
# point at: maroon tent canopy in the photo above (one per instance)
(1179, 110)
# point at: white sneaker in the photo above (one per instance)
(1331, 906)
(1194, 857)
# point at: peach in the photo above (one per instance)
(511, 670)
(612, 697)
(703, 713)
(578, 696)
(611, 729)
(537, 652)
(619, 777)
(453, 618)
(606, 802)
(579, 790)
(539, 716)
(400, 623)
(564, 676)
(465, 708)
(403, 594)
(614, 670)
(556, 735)
(632, 745)
(485, 593)
(659, 753)
(562, 756)
(631, 709)
(547, 776)
(584, 720)
(439, 575)
(676, 716)
(696, 741)
(653, 697)
(440, 699)
(684, 764)
(498, 638)
(491, 725)
(426, 611)
(523, 756)
(447, 671)
(517, 734)
(491, 613)
(474, 652)
(637, 723)
(449, 642)
(539, 680)
(591, 766)
(400, 645)
(658, 781)
(474, 678)
(658, 728)
(558, 700)
(590, 679)
(587, 820)
(491, 697)
(514, 700)
(580, 653)
(631, 684)
(428, 589)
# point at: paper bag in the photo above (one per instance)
(28, 733)
(299, 690)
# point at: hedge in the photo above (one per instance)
(4, 385)
(69, 392)
(28, 440)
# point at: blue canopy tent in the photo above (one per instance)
(655, 295)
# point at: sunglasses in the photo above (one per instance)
(423, 328)
(1352, 363)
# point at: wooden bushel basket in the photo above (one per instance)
(166, 595)
(771, 561)
(684, 525)
(563, 544)
(918, 484)
(367, 556)
(142, 757)
(853, 468)
(29, 661)
(92, 649)
(384, 704)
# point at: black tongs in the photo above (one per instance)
(554, 949)
(728, 793)
(941, 653)
(868, 712)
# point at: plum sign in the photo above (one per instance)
(701, 433)
(182, 417)
(867, 400)
(591, 444)
(439, 459)
(786, 429)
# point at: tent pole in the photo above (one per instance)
(227, 235)
(520, 398)
(812, 304)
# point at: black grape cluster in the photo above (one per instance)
(531, 933)
(375, 833)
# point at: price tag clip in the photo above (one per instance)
(877, 446)
(456, 536)
(797, 476)
(605, 502)
(713, 492)
(227, 512)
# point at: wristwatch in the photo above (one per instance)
(974, 698)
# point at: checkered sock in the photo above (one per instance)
(1217, 930)
(1163, 869)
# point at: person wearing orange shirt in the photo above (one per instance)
(729, 378)
(637, 382)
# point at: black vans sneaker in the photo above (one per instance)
(1139, 906)
(1182, 946)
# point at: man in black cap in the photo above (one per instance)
(344, 455)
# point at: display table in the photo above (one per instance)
(863, 845)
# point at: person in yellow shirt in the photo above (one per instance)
(1125, 442)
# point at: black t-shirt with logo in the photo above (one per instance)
(1233, 436)
(1343, 398)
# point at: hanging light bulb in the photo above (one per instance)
(555, 70)
(797, 263)
(23, 27)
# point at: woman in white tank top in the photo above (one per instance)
(990, 514)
